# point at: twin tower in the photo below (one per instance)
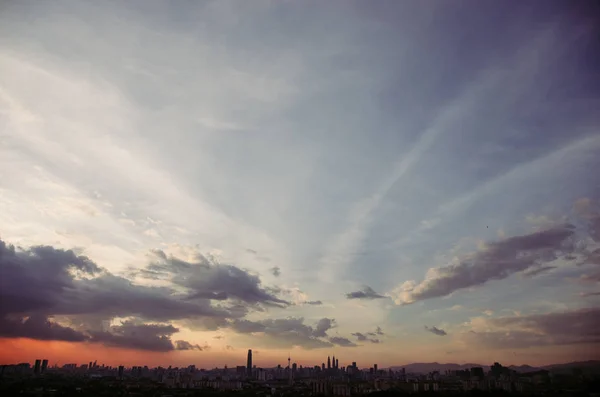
(334, 362)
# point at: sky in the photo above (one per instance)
(387, 182)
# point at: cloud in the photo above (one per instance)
(208, 279)
(588, 294)
(536, 271)
(51, 281)
(42, 282)
(324, 325)
(129, 335)
(341, 341)
(133, 335)
(581, 326)
(184, 345)
(436, 331)
(275, 271)
(313, 303)
(366, 293)
(365, 337)
(287, 332)
(496, 261)
(40, 328)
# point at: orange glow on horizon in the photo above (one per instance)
(13, 351)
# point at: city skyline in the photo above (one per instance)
(400, 182)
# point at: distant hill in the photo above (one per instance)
(588, 367)
(524, 368)
(429, 367)
(423, 368)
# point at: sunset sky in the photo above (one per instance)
(384, 181)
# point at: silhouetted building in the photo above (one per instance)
(38, 366)
(337, 363)
(249, 363)
(477, 372)
(44, 365)
(121, 369)
(328, 362)
(375, 368)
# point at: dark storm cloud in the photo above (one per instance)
(287, 332)
(366, 293)
(205, 278)
(558, 328)
(275, 271)
(131, 335)
(436, 331)
(33, 279)
(341, 341)
(43, 282)
(496, 261)
(40, 328)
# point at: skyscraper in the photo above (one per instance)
(44, 365)
(38, 365)
(249, 363)
(328, 362)
(337, 363)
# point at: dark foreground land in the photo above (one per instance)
(65, 386)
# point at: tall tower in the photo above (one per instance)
(333, 362)
(337, 363)
(290, 369)
(328, 362)
(249, 363)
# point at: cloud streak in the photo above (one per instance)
(496, 261)
(366, 293)
(571, 327)
(436, 331)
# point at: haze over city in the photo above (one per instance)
(385, 182)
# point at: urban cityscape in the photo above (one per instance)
(329, 378)
(299, 198)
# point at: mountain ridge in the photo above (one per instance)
(523, 368)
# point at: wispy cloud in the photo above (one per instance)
(365, 293)
(436, 331)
